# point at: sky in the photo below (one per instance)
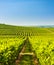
(27, 12)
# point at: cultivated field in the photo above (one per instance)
(20, 45)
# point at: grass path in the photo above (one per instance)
(27, 56)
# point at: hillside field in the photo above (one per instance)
(26, 45)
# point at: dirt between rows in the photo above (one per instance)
(22, 53)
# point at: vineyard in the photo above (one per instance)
(21, 45)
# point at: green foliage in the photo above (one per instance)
(44, 49)
(12, 37)
(24, 31)
(9, 50)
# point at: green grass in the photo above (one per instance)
(27, 60)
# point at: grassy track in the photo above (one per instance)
(26, 56)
